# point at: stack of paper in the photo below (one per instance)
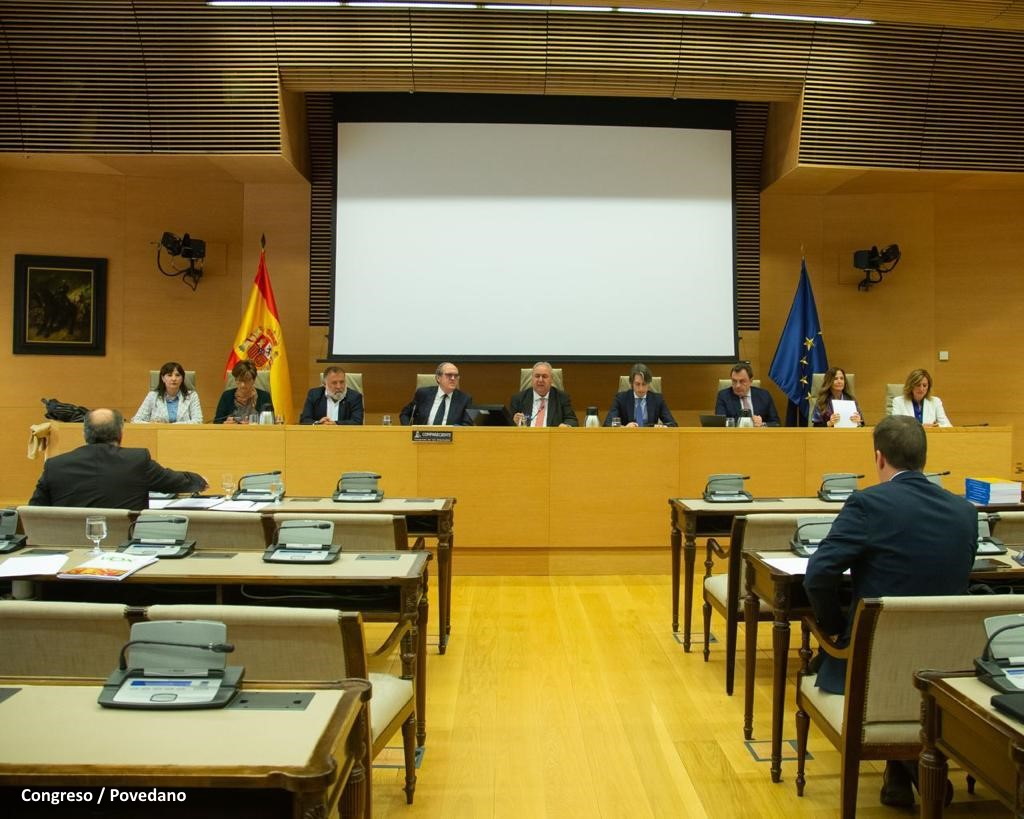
(991, 491)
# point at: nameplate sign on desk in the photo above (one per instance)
(431, 436)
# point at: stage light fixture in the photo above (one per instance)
(186, 248)
(875, 263)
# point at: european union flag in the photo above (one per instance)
(801, 352)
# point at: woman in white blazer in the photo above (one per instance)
(171, 402)
(918, 401)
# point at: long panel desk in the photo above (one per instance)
(228, 577)
(585, 493)
(959, 721)
(784, 592)
(212, 763)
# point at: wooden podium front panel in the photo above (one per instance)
(501, 479)
(609, 486)
(317, 455)
(213, 450)
(772, 457)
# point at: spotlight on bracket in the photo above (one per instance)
(875, 264)
(186, 249)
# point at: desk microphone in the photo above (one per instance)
(218, 648)
(260, 474)
(844, 477)
(934, 474)
(840, 493)
(990, 671)
(301, 524)
(725, 479)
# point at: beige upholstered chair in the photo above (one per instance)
(891, 391)
(725, 383)
(154, 379)
(49, 639)
(354, 381)
(237, 531)
(723, 592)
(65, 525)
(262, 381)
(425, 380)
(1008, 527)
(879, 716)
(359, 533)
(816, 382)
(283, 644)
(526, 378)
(655, 383)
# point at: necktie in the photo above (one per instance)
(745, 403)
(439, 415)
(539, 418)
(640, 414)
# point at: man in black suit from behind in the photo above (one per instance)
(444, 404)
(905, 536)
(743, 395)
(104, 474)
(541, 404)
(639, 406)
(333, 402)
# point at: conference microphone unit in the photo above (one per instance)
(218, 648)
(838, 487)
(727, 488)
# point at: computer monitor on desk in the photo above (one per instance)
(490, 415)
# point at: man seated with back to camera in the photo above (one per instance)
(905, 536)
(640, 406)
(744, 396)
(541, 404)
(333, 402)
(444, 404)
(104, 474)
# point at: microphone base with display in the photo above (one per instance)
(132, 688)
(834, 495)
(11, 544)
(728, 496)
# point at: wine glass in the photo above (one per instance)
(96, 531)
(227, 483)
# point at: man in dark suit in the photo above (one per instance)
(743, 395)
(905, 536)
(444, 404)
(638, 406)
(332, 402)
(103, 474)
(540, 404)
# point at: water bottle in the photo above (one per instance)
(592, 419)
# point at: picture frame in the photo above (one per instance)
(60, 305)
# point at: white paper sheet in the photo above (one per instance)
(27, 565)
(844, 409)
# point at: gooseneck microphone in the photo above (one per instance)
(218, 648)
(724, 479)
(986, 653)
(833, 478)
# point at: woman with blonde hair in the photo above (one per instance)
(917, 400)
(833, 388)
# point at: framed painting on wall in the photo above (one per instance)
(60, 305)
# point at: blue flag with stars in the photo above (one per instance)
(801, 352)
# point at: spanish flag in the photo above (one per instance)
(261, 340)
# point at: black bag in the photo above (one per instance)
(59, 411)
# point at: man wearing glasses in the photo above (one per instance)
(443, 405)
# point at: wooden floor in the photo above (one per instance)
(570, 696)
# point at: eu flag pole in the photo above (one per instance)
(801, 352)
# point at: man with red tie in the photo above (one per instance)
(744, 398)
(541, 404)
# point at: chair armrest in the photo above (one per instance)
(825, 641)
(717, 549)
(402, 627)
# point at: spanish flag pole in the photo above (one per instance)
(261, 340)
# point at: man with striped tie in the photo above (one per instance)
(541, 404)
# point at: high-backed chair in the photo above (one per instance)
(354, 381)
(526, 378)
(359, 533)
(49, 639)
(190, 379)
(237, 531)
(65, 525)
(816, 381)
(725, 383)
(262, 381)
(284, 644)
(625, 385)
(425, 380)
(1008, 527)
(891, 391)
(722, 592)
(879, 716)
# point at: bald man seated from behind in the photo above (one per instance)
(104, 474)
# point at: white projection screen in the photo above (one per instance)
(522, 241)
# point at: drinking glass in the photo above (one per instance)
(227, 483)
(730, 422)
(616, 421)
(386, 420)
(96, 531)
(277, 487)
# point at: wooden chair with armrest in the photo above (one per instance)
(1008, 527)
(879, 716)
(723, 592)
(284, 644)
(65, 525)
(44, 639)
